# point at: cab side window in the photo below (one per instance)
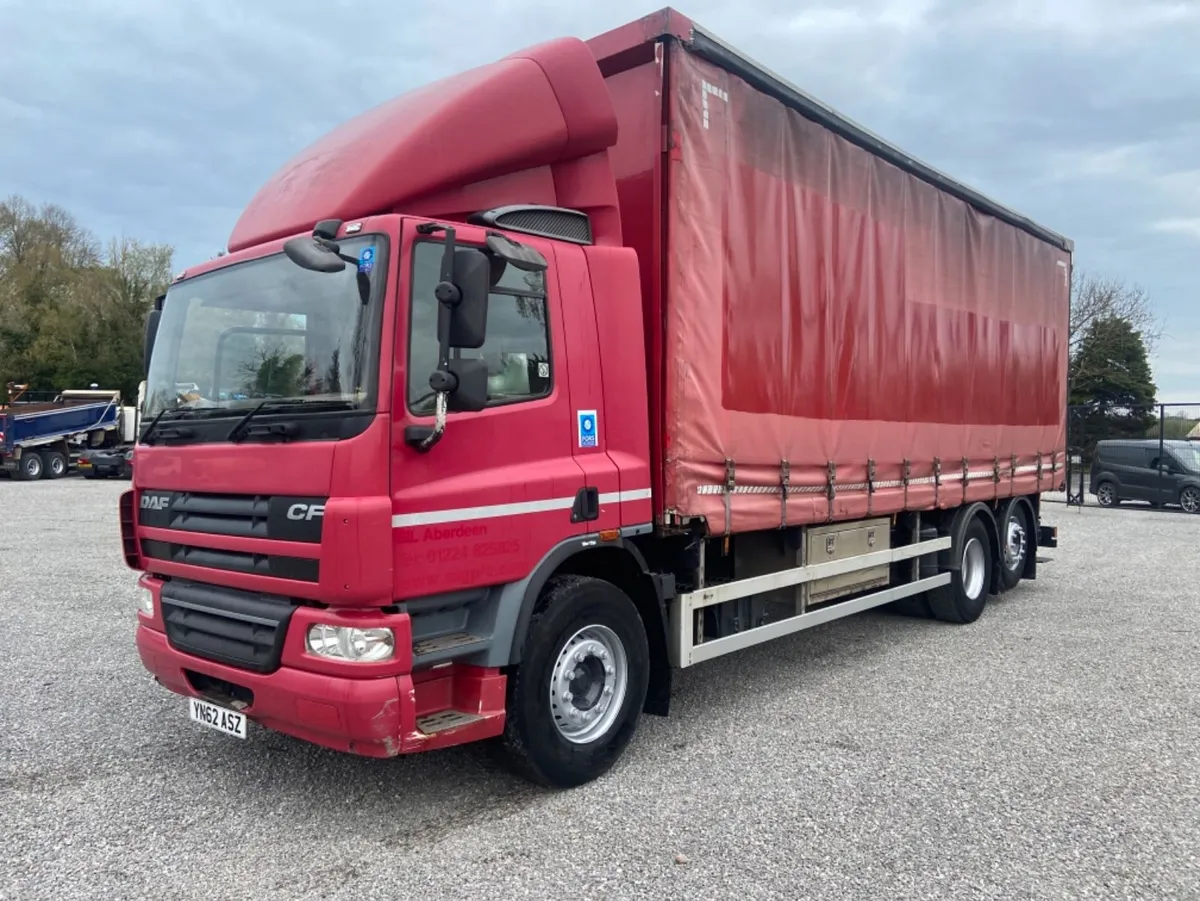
(517, 349)
(1166, 462)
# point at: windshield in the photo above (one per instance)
(269, 330)
(1188, 456)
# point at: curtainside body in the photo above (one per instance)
(482, 439)
(825, 312)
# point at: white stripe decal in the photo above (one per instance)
(523, 508)
(624, 497)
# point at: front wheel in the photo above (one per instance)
(1106, 494)
(1189, 499)
(576, 698)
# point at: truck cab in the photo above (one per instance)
(397, 422)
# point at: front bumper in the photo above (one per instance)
(369, 717)
(383, 712)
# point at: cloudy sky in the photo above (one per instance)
(159, 119)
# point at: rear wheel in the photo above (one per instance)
(963, 599)
(1015, 532)
(29, 467)
(55, 464)
(1189, 499)
(1106, 494)
(576, 698)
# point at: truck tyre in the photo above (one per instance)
(54, 464)
(574, 701)
(1015, 536)
(29, 467)
(963, 599)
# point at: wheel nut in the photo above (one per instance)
(603, 654)
(579, 658)
(608, 689)
(567, 696)
(609, 670)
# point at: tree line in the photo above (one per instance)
(72, 309)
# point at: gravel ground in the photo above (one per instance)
(1048, 751)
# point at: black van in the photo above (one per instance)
(1144, 470)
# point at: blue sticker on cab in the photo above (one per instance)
(587, 428)
(366, 260)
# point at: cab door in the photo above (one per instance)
(487, 502)
(602, 484)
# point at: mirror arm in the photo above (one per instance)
(442, 380)
(434, 435)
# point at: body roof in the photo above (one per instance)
(618, 48)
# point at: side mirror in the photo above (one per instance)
(470, 394)
(310, 253)
(468, 313)
(151, 333)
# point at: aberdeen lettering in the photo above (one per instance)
(440, 533)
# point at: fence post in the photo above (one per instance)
(1162, 448)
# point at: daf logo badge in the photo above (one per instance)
(156, 501)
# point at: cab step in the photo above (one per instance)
(429, 651)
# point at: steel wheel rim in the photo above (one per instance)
(974, 568)
(588, 684)
(58, 467)
(1190, 500)
(35, 466)
(1105, 494)
(1014, 545)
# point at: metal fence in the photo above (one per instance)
(1147, 456)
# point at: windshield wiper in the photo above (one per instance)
(146, 435)
(235, 433)
(240, 428)
(162, 417)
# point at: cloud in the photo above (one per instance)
(160, 120)
(1188, 227)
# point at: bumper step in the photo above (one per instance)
(433, 723)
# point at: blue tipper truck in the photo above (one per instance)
(42, 440)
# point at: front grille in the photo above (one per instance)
(237, 628)
(217, 515)
(280, 517)
(280, 567)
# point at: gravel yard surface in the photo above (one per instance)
(1050, 750)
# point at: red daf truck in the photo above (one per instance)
(521, 391)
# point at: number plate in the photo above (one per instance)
(220, 718)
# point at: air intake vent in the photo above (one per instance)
(544, 221)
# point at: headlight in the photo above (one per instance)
(351, 644)
(146, 603)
